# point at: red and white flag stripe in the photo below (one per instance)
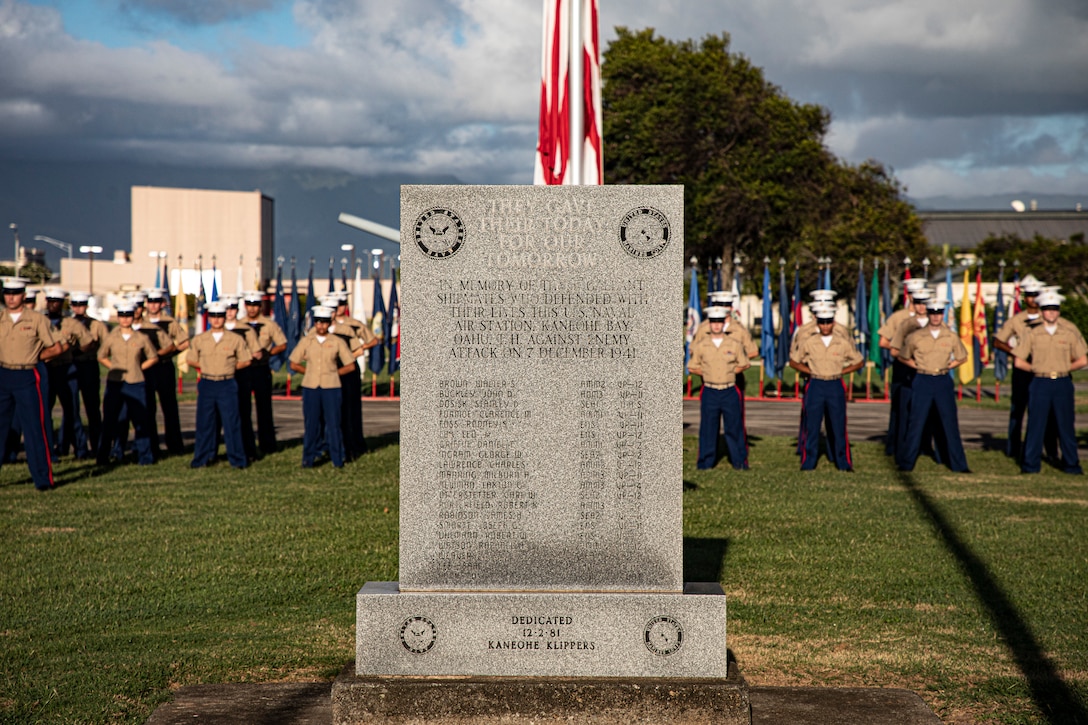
(553, 153)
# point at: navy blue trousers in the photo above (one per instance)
(22, 401)
(1049, 398)
(321, 408)
(825, 400)
(217, 402)
(715, 408)
(61, 384)
(88, 386)
(132, 398)
(260, 378)
(244, 379)
(899, 410)
(932, 392)
(162, 381)
(1018, 406)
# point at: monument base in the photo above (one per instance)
(541, 634)
(508, 700)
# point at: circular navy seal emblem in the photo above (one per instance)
(663, 635)
(644, 232)
(418, 634)
(439, 233)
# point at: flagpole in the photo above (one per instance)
(574, 93)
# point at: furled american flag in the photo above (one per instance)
(555, 162)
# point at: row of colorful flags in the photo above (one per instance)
(287, 312)
(872, 305)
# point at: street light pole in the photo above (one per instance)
(90, 251)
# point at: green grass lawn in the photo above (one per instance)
(969, 589)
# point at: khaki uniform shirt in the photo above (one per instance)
(71, 331)
(1017, 326)
(217, 360)
(810, 329)
(827, 361)
(98, 331)
(360, 329)
(177, 334)
(269, 335)
(932, 356)
(248, 334)
(895, 319)
(322, 360)
(1051, 354)
(22, 342)
(126, 356)
(718, 363)
(155, 334)
(906, 327)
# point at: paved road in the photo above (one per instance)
(867, 421)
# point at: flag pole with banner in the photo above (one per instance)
(766, 328)
(377, 326)
(861, 312)
(311, 302)
(279, 314)
(569, 142)
(1001, 358)
(393, 338)
(981, 333)
(784, 331)
(967, 332)
(694, 315)
(874, 353)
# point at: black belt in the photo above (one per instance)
(1052, 376)
(933, 373)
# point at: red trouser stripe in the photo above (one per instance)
(41, 417)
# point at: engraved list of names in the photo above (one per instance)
(541, 398)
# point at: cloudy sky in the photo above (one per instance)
(961, 98)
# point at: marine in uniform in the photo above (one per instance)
(1006, 339)
(88, 379)
(931, 352)
(162, 379)
(15, 434)
(820, 297)
(1050, 352)
(218, 353)
(718, 358)
(323, 359)
(126, 353)
(897, 418)
(272, 342)
(242, 376)
(352, 383)
(25, 339)
(825, 358)
(63, 384)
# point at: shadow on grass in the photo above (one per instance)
(1051, 694)
(704, 559)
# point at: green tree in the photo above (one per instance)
(758, 179)
(36, 273)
